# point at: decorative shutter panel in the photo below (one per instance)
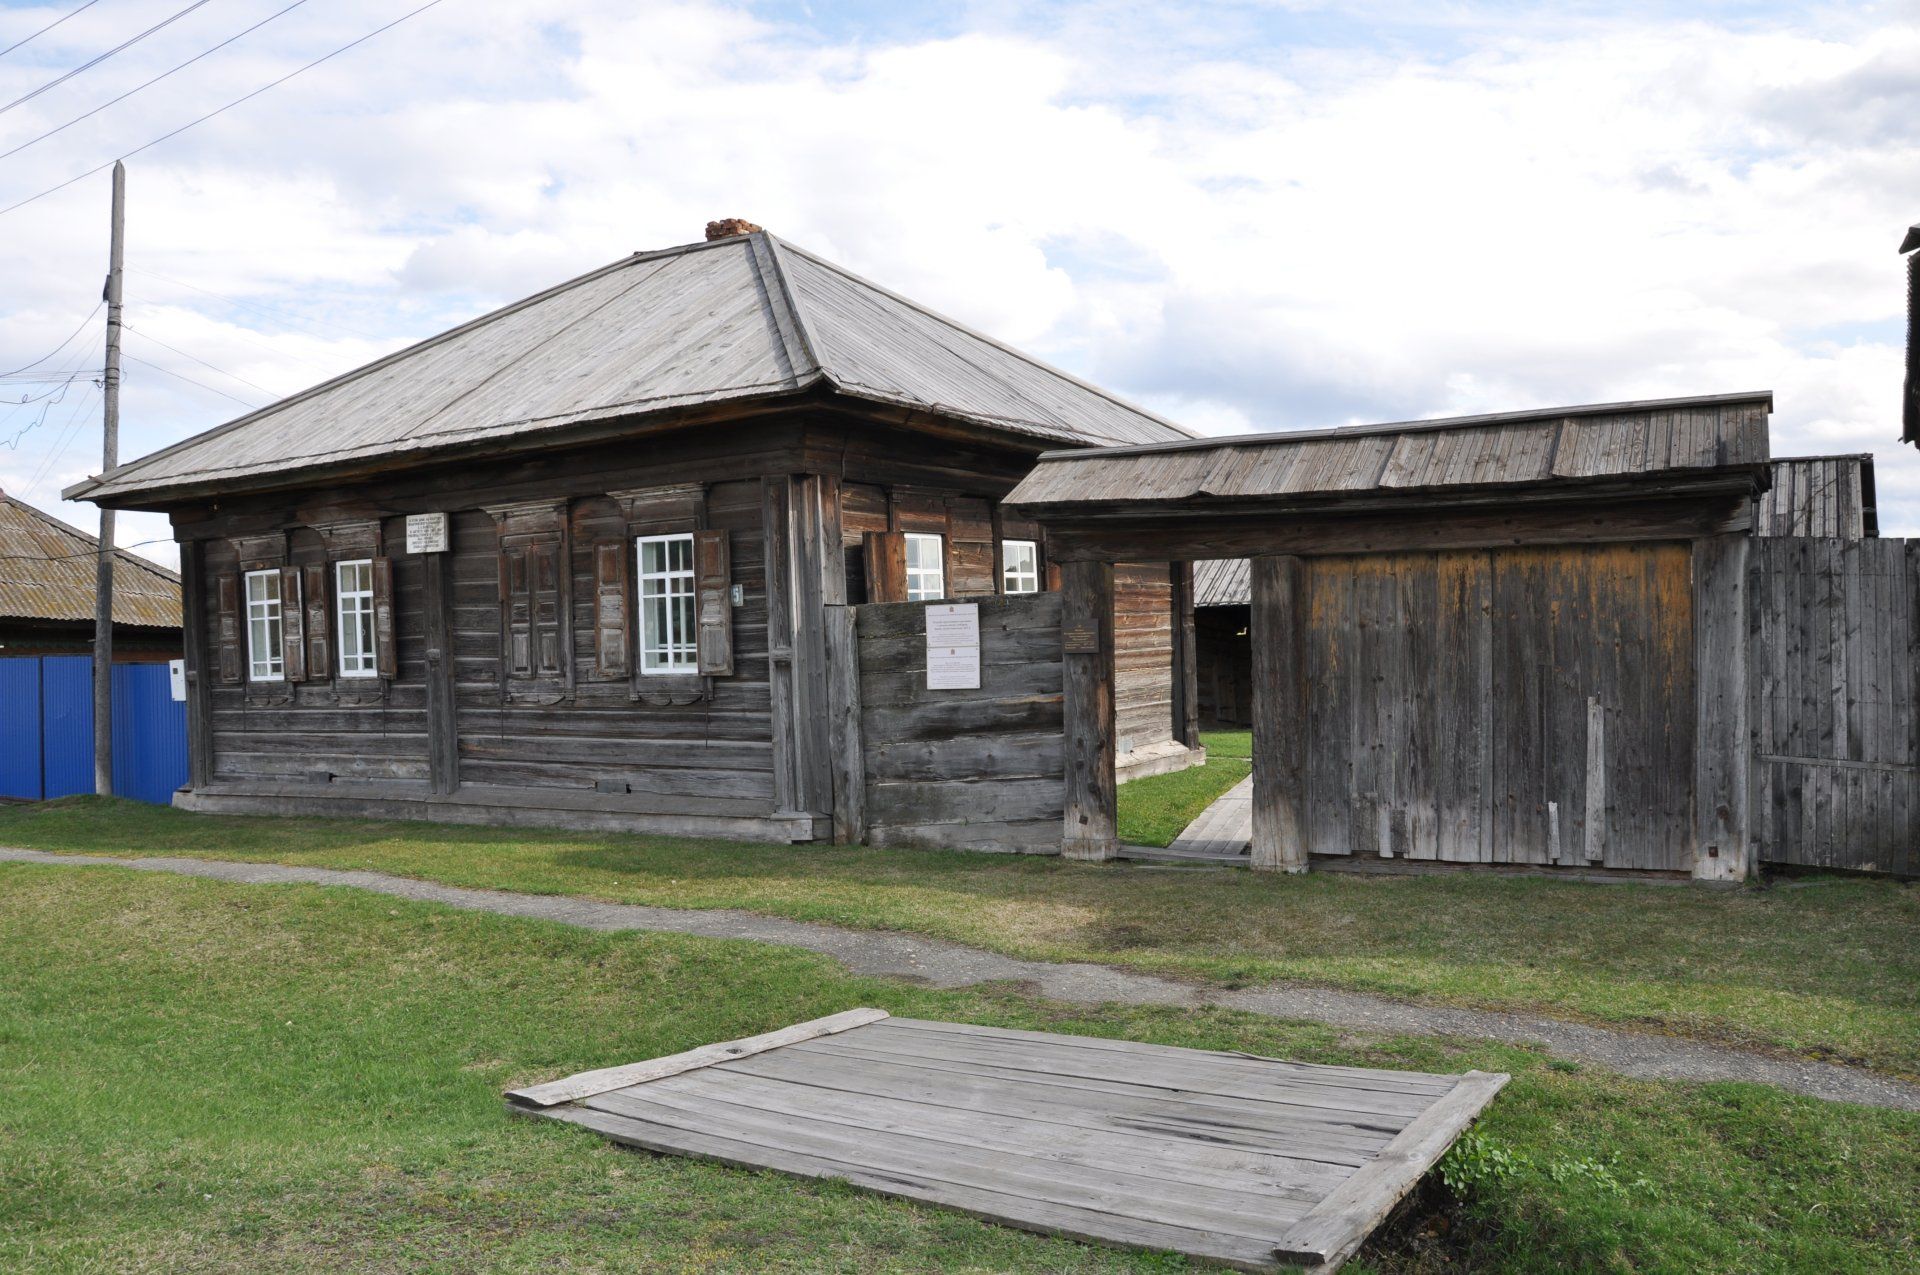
(886, 554)
(516, 608)
(227, 638)
(293, 641)
(713, 601)
(1053, 577)
(611, 640)
(319, 631)
(386, 657)
(544, 559)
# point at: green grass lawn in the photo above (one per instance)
(211, 1077)
(1827, 968)
(1155, 810)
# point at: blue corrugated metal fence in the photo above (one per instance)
(46, 729)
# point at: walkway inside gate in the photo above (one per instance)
(1516, 639)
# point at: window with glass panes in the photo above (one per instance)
(669, 640)
(353, 600)
(1019, 566)
(266, 658)
(926, 570)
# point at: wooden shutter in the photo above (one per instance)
(612, 642)
(713, 601)
(544, 580)
(886, 554)
(227, 637)
(293, 641)
(319, 631)
(386, 658)
(516, 610)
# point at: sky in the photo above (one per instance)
(1247, 215)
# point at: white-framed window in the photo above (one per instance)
(926, 569)
(669, 640)
(1019, 566)
(266, 657)
(353, 601)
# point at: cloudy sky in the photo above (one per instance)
(1258, 215)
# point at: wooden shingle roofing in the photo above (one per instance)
(1602, 441)
(47, 572)
(733, 319)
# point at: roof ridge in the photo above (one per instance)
(782, 301)
(638, 258)
(1270, 437)
(978, 335)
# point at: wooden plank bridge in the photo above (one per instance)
(1248, 1162)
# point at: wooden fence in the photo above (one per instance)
(1836, 731)
(975, 769)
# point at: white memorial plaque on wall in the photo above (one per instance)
(953, 647)
(426, 533)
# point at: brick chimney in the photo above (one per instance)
(728, 227)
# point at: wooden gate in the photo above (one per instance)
(1523, 705)
(1836, 637)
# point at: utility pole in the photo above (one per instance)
(109, 457)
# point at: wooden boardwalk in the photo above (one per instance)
(1223, 828)
(1248, 1162)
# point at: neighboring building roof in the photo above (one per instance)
(1224, 582)
(731, 319)
(47, 572)
(1819, 496)
(1599, 441)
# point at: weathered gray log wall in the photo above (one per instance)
(1142, 655)
(977, 769)
(1836, 727)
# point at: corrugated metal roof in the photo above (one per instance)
(709, 322)
(1819, 496)
(47, 573)
(1607, 440)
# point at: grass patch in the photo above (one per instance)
(1822, 968)
(1155, 810)
(216, 1077)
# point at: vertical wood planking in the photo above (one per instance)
(776, 513)
(848, 762)
(1086, 628)
(1279, 706)
(193, 617)
(1721, 826)
(1186, 677)
(443, 740)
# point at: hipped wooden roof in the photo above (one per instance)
(1568, 445)
(47, 572)
(734, 319)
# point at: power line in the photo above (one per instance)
(56, 349)
(50, 26)
(69, 432)
(150, 83)
(91, 553)
(252, 407)
(58, 80)
(263, 310)
(221, 110)
(144, 336)
(13, 444)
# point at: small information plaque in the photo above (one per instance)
(953, 647)
(426, 533)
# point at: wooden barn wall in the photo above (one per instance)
(980, 769)
(1518, 706)
(1226, 666)
(1835, 649)
(1142, 655)
(374, 730)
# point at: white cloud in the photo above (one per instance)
(1390, 219)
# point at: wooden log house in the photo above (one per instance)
(573, 563)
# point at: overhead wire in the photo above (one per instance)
(67, 434)
(150, 83)
(134, 358)
(145, 336)
(56, 349)
(50, 26)
(88, 65)
(272, 84)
